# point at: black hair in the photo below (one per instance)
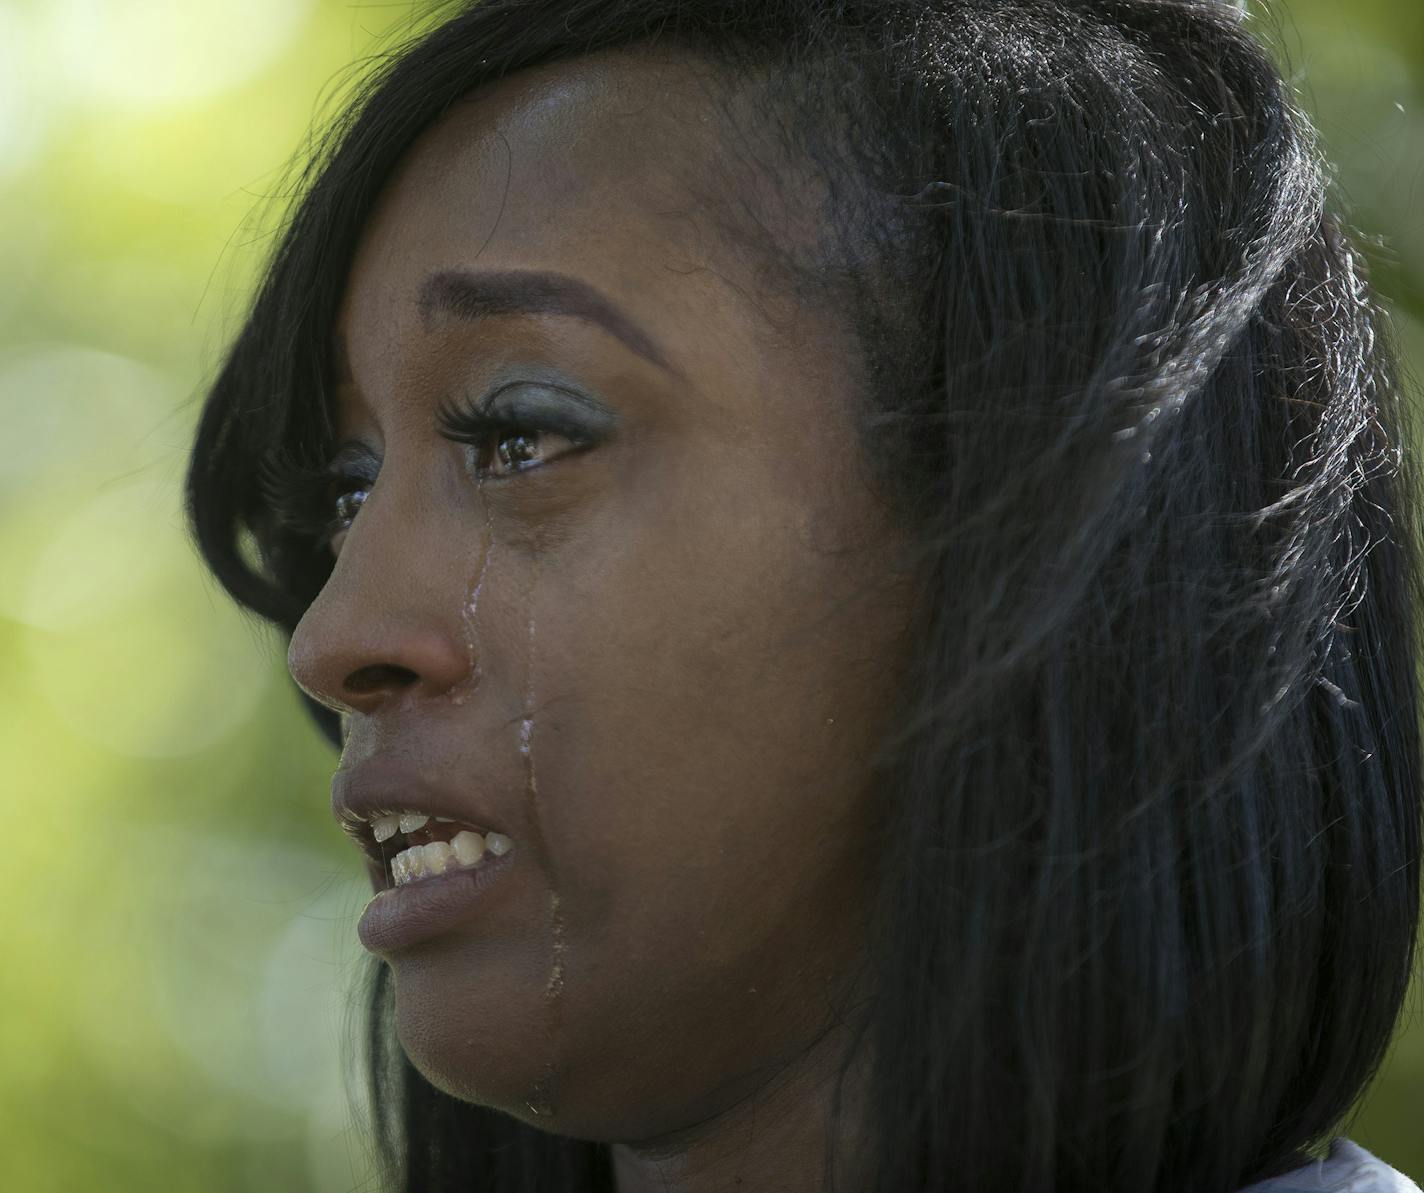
(1150, 894)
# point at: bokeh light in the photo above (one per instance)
(123, 54)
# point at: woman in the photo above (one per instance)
(881, 654)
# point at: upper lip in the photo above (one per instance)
(361, 792)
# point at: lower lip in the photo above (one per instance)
(402, 916)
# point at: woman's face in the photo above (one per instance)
(655, 648)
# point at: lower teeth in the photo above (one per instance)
(464, 852)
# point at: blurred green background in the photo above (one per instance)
(179, 939)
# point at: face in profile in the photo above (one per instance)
(615, 586)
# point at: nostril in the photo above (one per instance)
(377, 677)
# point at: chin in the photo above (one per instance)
(490, 1042)
(520, 1065)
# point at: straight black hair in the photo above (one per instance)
(1150, 896)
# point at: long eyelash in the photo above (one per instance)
(300, 495)
(466, 423)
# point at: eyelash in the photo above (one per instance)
(301, 496)
(470, 425)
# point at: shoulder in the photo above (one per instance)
(1348, 1168)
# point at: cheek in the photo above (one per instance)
(707, 739)
(702, 777)
(705, 696)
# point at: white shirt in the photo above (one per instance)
(1347, 1169)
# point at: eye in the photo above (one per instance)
(520, 426)
(503, 447)
(531, 428)
(515, 449)
(301, 495)
(348, 501)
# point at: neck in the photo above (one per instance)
(773, 1140)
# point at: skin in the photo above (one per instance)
(717, 631)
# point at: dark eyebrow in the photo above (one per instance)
(467, 296)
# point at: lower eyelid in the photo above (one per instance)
(487, 475)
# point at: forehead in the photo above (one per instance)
(612, 168)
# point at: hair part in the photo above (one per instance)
(1150, 883)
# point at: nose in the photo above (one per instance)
(373, 636)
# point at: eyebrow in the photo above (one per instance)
(468, 296)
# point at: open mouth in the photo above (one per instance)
(411, 846)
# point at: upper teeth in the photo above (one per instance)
(384, 827)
